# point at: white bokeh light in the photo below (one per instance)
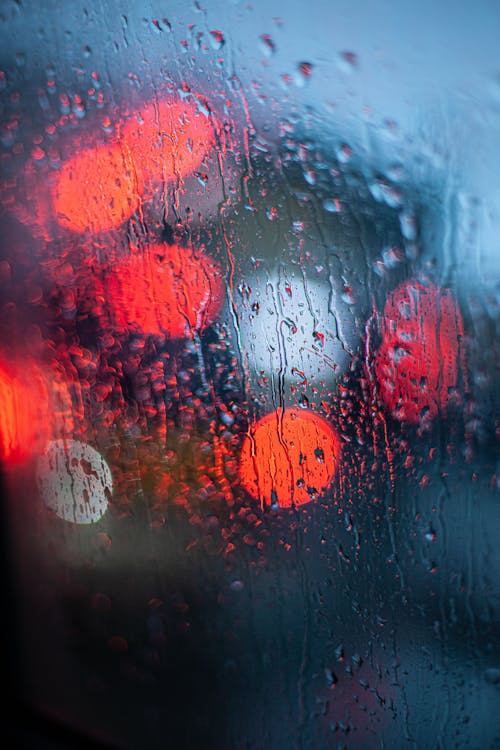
(74, 481)
(294, 327)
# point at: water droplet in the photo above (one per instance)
(267, 45)
(319, 338)
(226, 418)
(331, 677)
(348, 296)
(38, 154)
(344, 153)
(348, 61)
(310, 176)
(300, 374)
(202, 178)
(430, 535)
(303, 401)
(332, 205)
(304, 72)
(408, 225)
(217, 39)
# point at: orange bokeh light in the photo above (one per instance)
(97, 189)
(289, 457)
(165, 290)
(417, 363)
(168, 140)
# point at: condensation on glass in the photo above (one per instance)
(249, 372)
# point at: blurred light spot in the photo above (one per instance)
(289, 457)
(291, 324)
(417, 363)
(167, 290)
(74, 481)
(97, 189)
(20, 406)
(168, 140)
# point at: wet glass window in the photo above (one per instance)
(249, 389)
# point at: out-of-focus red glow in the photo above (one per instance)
(289, 457)
(165, 290)
(417, 363)
(97, 189)
(36, 405)
(21, 407)
(168, 140)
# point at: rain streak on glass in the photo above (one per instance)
(249, 308)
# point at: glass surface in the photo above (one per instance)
(249, 392)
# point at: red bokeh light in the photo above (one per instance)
(36, 405)
(97, 189)
(417, 364)
(289, 457)
(100, 185)
(22, 405)
(168, 140)
(165, 290)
